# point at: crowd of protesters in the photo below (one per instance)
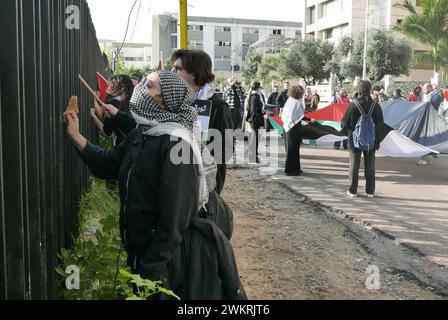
(174, 224)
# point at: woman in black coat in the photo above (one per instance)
(117, 121)
(161, 191)
(195, 66)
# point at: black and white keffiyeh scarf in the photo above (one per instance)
(178, 97)
(178, 119)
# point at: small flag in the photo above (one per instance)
(102, 86)
(161, 67)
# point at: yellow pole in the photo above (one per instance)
(183, 24)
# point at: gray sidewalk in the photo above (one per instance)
(411, 203)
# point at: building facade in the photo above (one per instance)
(332, 19)
(226, 40)
(132, 55)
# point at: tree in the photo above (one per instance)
(428, 26)
(309, 60)
(267, 70)
(385, 56)
(251, 65)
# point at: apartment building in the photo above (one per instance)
(332, 19)
(133, 55)
(226, 40)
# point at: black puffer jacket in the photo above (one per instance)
(221, 120)
(158, 205)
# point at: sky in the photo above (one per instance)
(110, 16)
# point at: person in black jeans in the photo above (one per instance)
(348, 126)
(292, 116)
(234, 96)
(256, 120)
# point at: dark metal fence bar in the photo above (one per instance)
(41, 178)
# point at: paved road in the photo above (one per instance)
(411, 203)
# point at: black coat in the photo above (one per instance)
(255, 115)
(120, 124)
(352, 115)
(221, 120)
(158, 205)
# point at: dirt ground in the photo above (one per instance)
(289, 249)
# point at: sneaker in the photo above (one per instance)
(351, 195)
(369, 195)
(422, 163)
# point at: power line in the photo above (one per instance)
(127, 28)
(136, 20)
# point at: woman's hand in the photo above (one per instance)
(110, 109)
(73, 130)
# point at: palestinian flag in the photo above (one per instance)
(419, 121)
(327, 129)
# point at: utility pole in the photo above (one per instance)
(364, 66)
(183, 24)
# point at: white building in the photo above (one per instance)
(132, 55)
(332, 19)
(226, 40)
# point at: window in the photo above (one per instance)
(250, 30)
(277, 31)
(328, 34)
(223, 43)
(192, 27)
(133, 59)
(298, 33)
(222, 58)
(312, 15)
(223, 29)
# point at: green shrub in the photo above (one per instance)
(99, 254)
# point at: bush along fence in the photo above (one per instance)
(46, 44)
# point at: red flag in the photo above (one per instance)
(445, 94)
(102, 86)
(160, 67)
(334, 112)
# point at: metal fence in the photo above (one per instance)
(41, 177)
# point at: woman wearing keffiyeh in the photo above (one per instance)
(160, 196)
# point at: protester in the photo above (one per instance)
(160, 199)
(416, 94)
(431, 95)
(255, 120)
(118, 122)
(397, 95)
(292, 116)
(349, 122)
(283, 96)
(195, 66)
(273, 96)
(316, 101)
(234, 96)
(378, 94)
(343, 98)
(308, 100)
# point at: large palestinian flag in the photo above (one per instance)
(419, 121)
(327, 126)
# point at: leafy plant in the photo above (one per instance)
(144, 288)
(98, 252)
(428, 26)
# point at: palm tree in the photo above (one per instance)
(428, 26)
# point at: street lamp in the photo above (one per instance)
(364, 66)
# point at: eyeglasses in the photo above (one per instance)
(177, 68)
